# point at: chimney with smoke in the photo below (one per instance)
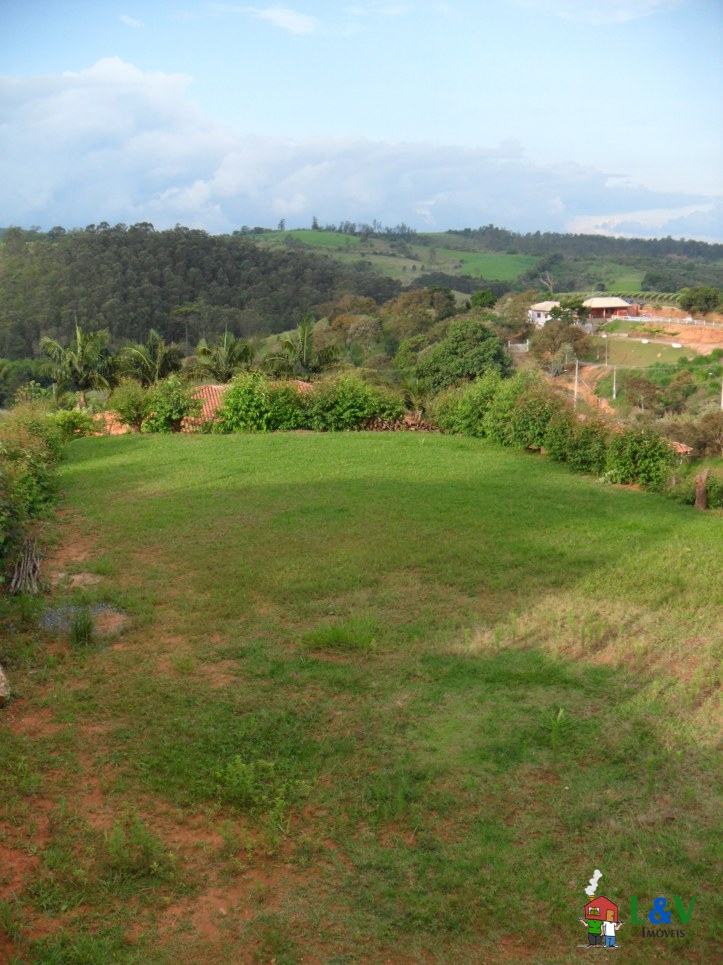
(592, 887)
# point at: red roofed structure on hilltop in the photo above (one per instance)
(610, 307)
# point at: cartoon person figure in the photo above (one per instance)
(609, 928)
(594, 930)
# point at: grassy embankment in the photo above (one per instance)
(379, 698)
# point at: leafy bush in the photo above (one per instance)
(246, 406)
(169, 403)
(129, 401)
(462, 409)
(638, 456)
(520, 412)
(287, 407)
(581, 444)
(30, 445)
(470, 349)
(346, 403)
(589, 446)
(73, 423)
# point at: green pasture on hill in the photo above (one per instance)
(378, 698)
(633, 352)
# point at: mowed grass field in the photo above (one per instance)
(378, 698)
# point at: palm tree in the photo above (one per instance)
(151, 362)
(224, 359)
(86, 364)
(297, 355)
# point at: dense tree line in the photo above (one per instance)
(183, 283)
(576, 245)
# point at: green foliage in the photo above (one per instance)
(12, 919)
(680, 486)
(559, 342)
(470, 349)
(485, 298)
(520, 411)
(130, 401)
(86, 363)
(347, 636)
(169, 403)
(134, 852)
(222, 360)
(245, 406)
(461, 409)
(82, 628)
(580, 444)
(30, 445)
(298, 354)
(407, 354)
(638, 456)
(287, 407)
(347, 403)
(183, 283)
(702, 299)
(73, 423)
(152, 361)
(22, 375)
(260, 787)
(704, 433)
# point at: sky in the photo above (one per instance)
(600, 116)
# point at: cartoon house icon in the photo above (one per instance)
(601, 909)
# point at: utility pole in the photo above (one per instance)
(577, 366)
(615, 383)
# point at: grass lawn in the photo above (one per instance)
(378, 698)
(623, 351)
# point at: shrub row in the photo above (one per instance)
(31, 439)
(525, 412)
(255, 404)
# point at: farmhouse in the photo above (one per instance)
(539, 314)
(605, 307)
(601, 909)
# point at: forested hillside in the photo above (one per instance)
(188, 285)
(184, 283)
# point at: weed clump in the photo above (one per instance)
(82, 628)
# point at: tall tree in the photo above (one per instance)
(469, 350)
(224, 359)
(85, 364)
(298, 355)
(151, 362)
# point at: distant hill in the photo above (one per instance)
(189, 284)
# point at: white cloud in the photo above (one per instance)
(692, 220)
(130, 21)
(599, 12)
(114, 143)
(291, 20)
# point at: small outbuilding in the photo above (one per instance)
(601, 909)
(608, 307)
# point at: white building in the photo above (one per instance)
(539, 314)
